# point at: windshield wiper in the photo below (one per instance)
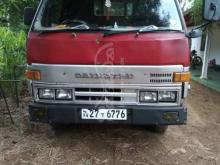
(111, 31)
(153, 28)
(81, 27)
(108, 32)
(145, 28)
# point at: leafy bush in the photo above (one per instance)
(12, 51)
(196, 14)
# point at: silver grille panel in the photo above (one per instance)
(105, 94)
(108, 74)
(109, 84)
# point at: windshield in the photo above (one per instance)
(107, 14)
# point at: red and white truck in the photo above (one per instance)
(108, 61)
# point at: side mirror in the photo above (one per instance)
(194, 33)
(29, 13)
(211, 10)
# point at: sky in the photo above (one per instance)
(186, 4)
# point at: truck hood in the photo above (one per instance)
(164, 48)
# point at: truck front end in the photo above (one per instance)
(108, 61)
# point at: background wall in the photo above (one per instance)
(215, 44)
(214, 51)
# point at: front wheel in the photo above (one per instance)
(159, 128)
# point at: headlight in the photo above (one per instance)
(64, 94)
(167, 96)
(148, 96)
(47, 94)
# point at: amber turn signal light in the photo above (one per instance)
(181, 77)
(33, 74)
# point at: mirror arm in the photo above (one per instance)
(202, 26)
(192, 33)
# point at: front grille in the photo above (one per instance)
(160, 75)
(161, 78)
(105, 94)
(97, 98)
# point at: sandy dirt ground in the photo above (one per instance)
(197, 143)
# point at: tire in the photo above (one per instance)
(197, 61)
(159, 128)
(56, 125)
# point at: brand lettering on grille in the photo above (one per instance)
(104, 75)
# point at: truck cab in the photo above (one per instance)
(108, 61)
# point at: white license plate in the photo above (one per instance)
(104, 114)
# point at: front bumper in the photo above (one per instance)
(137, 115)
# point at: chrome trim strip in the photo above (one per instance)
(121, 86)
(106, 94)
(107, 66)
(163, 67)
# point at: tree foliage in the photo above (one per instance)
(12, 40)
(196, 14)
(11, 11)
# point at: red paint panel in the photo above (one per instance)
(121, 49)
